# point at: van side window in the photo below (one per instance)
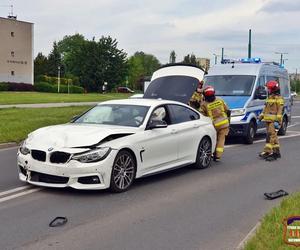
(261, 81)
(284, 87)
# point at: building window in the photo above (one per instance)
(12, 73)
(12, 34)
(12, 53)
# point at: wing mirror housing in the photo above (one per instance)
(154, 124)
(261, 93)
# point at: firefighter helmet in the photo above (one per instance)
(209, 91)
(273, 86)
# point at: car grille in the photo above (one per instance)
(47, 178)
(59, 157)
(38, 155)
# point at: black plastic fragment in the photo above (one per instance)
(58, 222)
(274, 195)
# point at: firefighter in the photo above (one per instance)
(217, 110)
(197, 97)
(272, 116)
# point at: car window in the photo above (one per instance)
(160, 114)
(115, 114)
(182, 114)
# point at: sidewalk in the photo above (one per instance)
(48, 105)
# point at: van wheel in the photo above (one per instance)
(248, 139)
(282, 130)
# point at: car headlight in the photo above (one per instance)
(92, 155)
(238, 112)
(23, 149)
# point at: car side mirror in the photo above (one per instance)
(153, 124)
(261, 93)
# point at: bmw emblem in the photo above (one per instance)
(50, 149)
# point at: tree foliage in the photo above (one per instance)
(141, 65)
(94, 62)
(40, 65)
(172, 57)
(190, 59)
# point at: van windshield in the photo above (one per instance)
(231, 85)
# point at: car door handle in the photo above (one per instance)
(196, 125)
(173, 131)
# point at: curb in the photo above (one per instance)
(8, 145)
(243, 243)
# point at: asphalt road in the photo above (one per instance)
(184, 209)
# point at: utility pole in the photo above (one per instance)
(216, 58)
(222, 57)
(249, 45)
(296, 81)
(58, 79)
(281, 56)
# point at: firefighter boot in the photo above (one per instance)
(264, 155)
(271, 157)
(276, 153)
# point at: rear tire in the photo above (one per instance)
(282, 130)
(248, 139)
(204, 153)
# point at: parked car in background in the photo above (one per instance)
(124, 90)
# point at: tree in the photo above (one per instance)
(40, 65)
(141, 65)
(190, 59)
(172, 57)
(54, 60)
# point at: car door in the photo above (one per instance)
(188, 131)
(159, 146)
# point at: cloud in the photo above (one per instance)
(279, 6)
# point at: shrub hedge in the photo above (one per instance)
(52, 88)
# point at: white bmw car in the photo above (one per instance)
(118, 141)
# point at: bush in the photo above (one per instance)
(54, 80)
(13, 86)
(52, 88)
(3, 86)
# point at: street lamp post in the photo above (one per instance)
(281, 56)
(216, 58)
(58, 79)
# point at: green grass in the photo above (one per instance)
(270, 234)
(17, 123)
(38, 97)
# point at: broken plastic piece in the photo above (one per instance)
(58, 221)
(274, 195)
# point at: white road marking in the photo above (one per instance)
(5, 149)
(296, 133)
(14, 190)
(242, 244)
(297, 116)
(293, 125)
(10, 197)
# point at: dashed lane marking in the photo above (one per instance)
(13, 196)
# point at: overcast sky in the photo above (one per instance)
(201, 27)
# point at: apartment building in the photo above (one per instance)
(16, 51)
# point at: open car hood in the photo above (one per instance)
(176, 83)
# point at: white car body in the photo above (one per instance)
(154, 150)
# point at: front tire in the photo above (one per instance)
(204, 154)
(123, 172)
(248, 139)
(282, 130)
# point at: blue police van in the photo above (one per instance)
(241, 84)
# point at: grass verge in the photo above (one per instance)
(270, 234)
(16, 123)
(38, 97)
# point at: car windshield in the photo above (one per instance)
(176, 88)
(231, 85)
(115, 114)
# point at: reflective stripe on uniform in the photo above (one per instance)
(271, 117)
(279, 101)
(220, 150)
(225, 121)
(276, 146)
(269, 145)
